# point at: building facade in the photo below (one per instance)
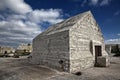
(24, 48)
(72, 45)
(6, 50)
(111, 48)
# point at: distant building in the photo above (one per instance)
(24, 48)
(6, 50)
(111, 47)
(72, 45)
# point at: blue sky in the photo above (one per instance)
(22, 20)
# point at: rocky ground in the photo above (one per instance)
(21, 69)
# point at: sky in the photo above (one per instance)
(22, 20)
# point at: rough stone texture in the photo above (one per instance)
(103, 61)
(69, 45)
(83, 37)
(49, 50)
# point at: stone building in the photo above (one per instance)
(71, 45)
(111, 48)
(24, 48)
(6, 50)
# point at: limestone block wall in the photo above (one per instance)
(84, 35)
(52, 50)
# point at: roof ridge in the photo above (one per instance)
(65, 24)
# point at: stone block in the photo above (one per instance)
(103, 61)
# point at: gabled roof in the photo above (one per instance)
(64, 25)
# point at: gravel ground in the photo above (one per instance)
(21, 69)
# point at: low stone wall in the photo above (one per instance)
(103, 61)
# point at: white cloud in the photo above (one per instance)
(105, 2)
(113, 41)
(83, 3)
(17, 6)
(50, 15)
(1, 17)
(18, 28)
(23, 23)
(16, 17)
(117, 13)
(95, 2)
(118, 34)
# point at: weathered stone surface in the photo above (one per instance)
(69, 45)
(103, 61)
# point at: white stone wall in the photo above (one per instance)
(82, 34)
(50, 49)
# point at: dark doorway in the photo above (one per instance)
(98, 51)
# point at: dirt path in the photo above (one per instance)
(20, 69)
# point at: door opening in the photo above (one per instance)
(98, 52)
